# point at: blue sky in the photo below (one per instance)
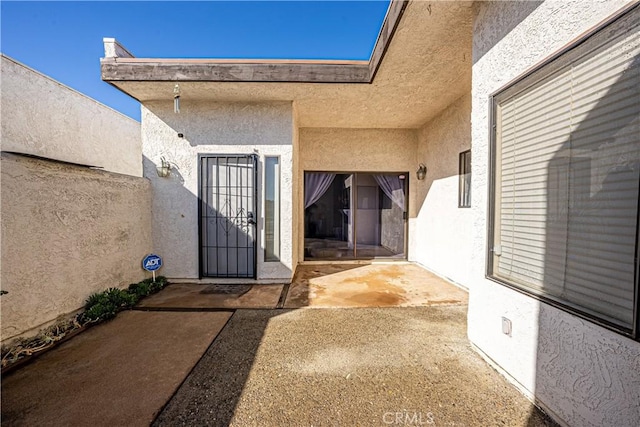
(64, 39)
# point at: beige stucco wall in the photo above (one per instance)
(41, 116)
(582, 373)
(356, 150)
(67, 232)
(215, 128)
(440, 236)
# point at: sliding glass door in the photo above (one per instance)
(355, 215)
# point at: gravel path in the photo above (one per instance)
(348, 367)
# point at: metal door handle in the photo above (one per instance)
(250, 219)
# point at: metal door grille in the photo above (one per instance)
(228, 201)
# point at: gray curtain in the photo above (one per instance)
(393, 187)
(315, 185)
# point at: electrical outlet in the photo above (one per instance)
(506, 326)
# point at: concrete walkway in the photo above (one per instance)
(118, 373)
(196, 296)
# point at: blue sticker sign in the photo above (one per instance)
(152, 262)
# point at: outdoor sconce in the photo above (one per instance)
(421, 173)
(176, 99)
(164, 170)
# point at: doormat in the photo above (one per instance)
(238, 290)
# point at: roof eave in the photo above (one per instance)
(119, 65)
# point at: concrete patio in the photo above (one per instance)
(345, 285)
(227, 365)
(370, 285)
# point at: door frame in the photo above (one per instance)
(256, 205)
(354, 219)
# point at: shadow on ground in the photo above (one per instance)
(209, 395)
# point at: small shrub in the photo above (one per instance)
(94, 299)
(122, 298)
(156, 286)
(105, 305)
(139, 289)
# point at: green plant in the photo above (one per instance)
(147, 286)
(156, 286)
(139, 289)
(105, 305)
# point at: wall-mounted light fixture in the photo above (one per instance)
(176, 99)
(164, 170)
(421, 173)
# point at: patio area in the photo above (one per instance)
(232, 358)
(347, 367)
(370, 285)
(337, 285)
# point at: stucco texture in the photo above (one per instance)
(265, 129)
(356, 150)
(41, 116)
(440, 236)
(581, 373)
(67, 232)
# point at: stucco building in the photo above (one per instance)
(523, 121)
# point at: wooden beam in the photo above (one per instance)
(122, 70)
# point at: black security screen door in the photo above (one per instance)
(228, 203)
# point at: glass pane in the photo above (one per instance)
(328, 216)
(380, 217)
(355, 216)
(272, 209)
(464, 176)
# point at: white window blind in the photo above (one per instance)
(567, 174)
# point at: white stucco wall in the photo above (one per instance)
(356, 150)
(41, 116)
(584, 374)
(67, 232)
(440, 236)
(215, 128)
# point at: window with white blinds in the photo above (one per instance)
(567, 177)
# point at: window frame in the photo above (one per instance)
(464, 190)
(277, 238)
(521, 83)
